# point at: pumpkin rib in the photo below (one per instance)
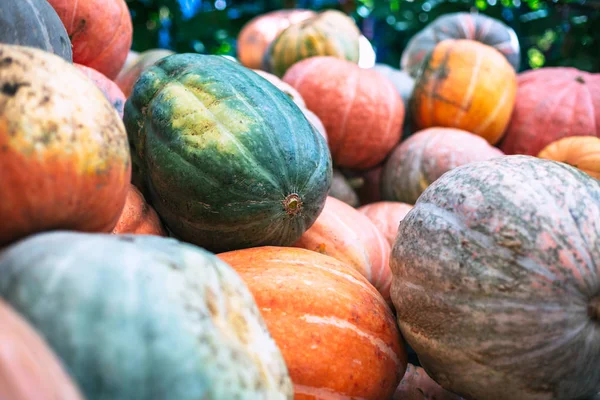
(340, 142)
(470, 90)
(492, 115)
(75, 4)
(116, 35)
(37, 16)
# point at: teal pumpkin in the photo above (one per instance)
(143, 317)
(226, 158)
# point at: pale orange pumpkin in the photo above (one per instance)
(581, 152)
(386, 215)
(138, 217)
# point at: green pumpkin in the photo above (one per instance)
(143, 317)
(227, 159)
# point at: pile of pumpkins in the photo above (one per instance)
(283, 225)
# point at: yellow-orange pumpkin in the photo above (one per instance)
(582, 152)
(337, 335)
(138, 217)
(386, 215)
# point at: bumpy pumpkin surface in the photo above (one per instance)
(34, 23)
(64, 156)
(130, 73)
(337, 335)
(552, 103)
(386, 215)
(228, 160)
(138, 217)
(147, 318)
(417, 385)
(110, 89)
(28, 368)
(496, 280)
(581, 152)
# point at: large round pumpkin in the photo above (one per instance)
(496, 280)
(64, 156)
(138, 217)
(100, 30)
(466, 85)
(344, 233)
(360, 108)
(144, 317)
(386, 215)
(34, 23)
(228, 160)
(337, 335)
(582, 152)
(461, 25)
(28, 368)
(130, 73)
(552, 103)
(417, 385)
(425, 156)
(110, 89)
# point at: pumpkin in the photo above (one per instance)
(34, 23)
(329, 33)
(360, 109)
(417, 385)
(461, 25)
(402, 81)
(130, 73)
(284, 87)
(228, 160)
(28, 368)
(342, 189)
(132, 57)
(100, 30)
(315, 122)
(552, 103)
(138, 217)
(581, 152)
(337, 335)
(425, 156)
(147, 318)
(64, 156)
(500, 259)
(258, 33)
(110, 89)
(345, 234)
(386, 215)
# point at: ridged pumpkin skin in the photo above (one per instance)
(337, 335)
(360, 108)
(386, 215)
(552, 103)
(342, 189)
(425, 156)
(461, 25)
(345, 234)
(130, 73)
(100, 30)
(28, 368)
(417, 385)
(34, 23)
(258, 33)
(64, 156)
(496, 280)
(147, 318)
(329, 33)
(110, 89)
(138, 217)
(466, 85)
(228, 160)
(582, 152)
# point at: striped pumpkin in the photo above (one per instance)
(582, 152)
(386, 215)
(330, 33)
(337, 335)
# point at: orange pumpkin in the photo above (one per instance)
(109, 88)
(344, 233)
(581, 152)
(386, 215)
(138, 217)
(337, 335)
(101, 32)
(28, 367)
(467, 85)
(130, 73)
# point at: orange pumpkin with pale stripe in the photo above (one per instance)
(581, 152)
(336, 333)
(344, 233)
(467, 85)
(386, 215)
(138, 217)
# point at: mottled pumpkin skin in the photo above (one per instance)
(345, 234)
(360, 108)
(330, 33)
(342, 190)
(582, 152)
(34, 23)
(552, 103)
(64, 156)
(110, 89)
(28, 368)
(465, 85)
(138, 217)
(130, 73)
(386, 215)
(461, 25)
(228, 160)
(100, 30)
(496, 280)
(417, 385)
(147, 318)
(425, 156)
(337, 335)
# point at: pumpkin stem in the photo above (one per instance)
(580, 79)
(292, 204)
(594, 309)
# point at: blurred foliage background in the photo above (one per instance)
(551, 33)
